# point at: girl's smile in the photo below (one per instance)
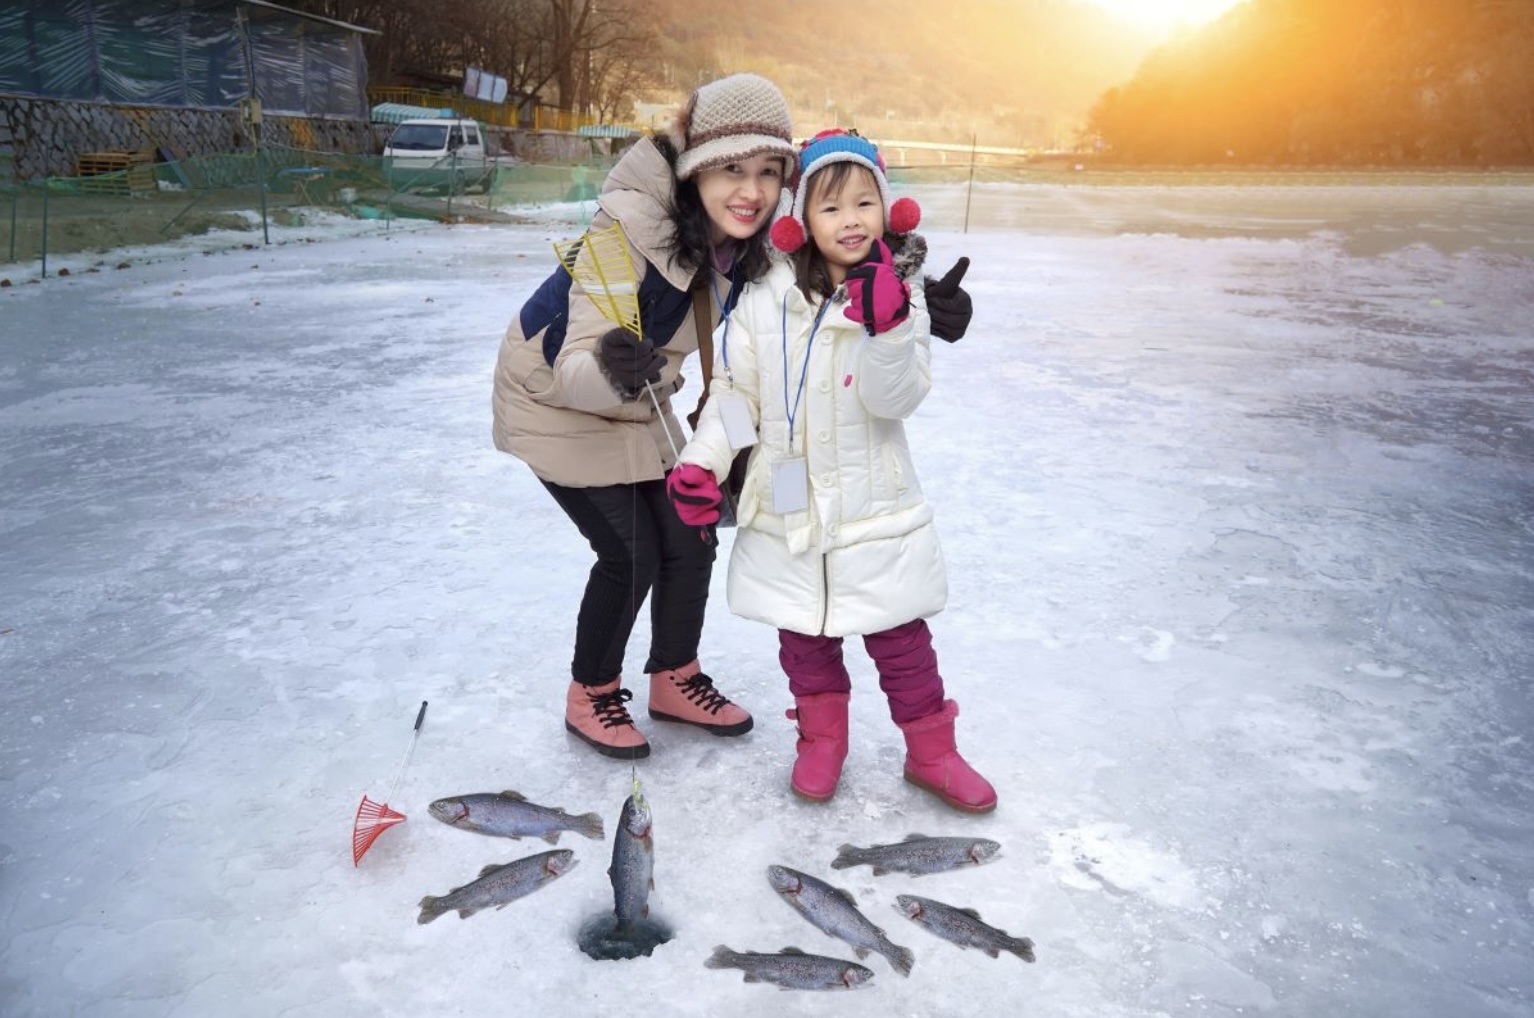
(845, 223)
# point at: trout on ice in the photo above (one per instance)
(792, 969)
(835, 912)
(499, 885)
(962, 926)
(510, 815)
(918, 854)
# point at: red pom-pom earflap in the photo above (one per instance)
(787, 235)
(905, 215)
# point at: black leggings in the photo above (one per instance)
(640, 543)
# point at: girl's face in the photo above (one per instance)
(845, 216)
(740, 197)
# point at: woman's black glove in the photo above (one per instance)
(628, 362)
(948, 304)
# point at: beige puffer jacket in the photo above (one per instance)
(566, 421)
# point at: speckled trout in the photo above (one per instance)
(498, 886)
(962, 926)
(835, 912)
(792, 969)
(633, 867)
(510, 815)
(629, 930)
(918, 854)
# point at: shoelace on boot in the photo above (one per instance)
(700, 690)
(609, 709)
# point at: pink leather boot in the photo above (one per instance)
(933, 762)
(687, 696)
(596, 714)
(822, 744)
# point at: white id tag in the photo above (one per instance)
(790, 486)
(736, 416)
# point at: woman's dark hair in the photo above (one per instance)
(689, 236)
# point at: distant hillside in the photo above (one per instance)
(1443, 82)
(1013, 72)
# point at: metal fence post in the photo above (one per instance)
(969, 193)
(46, 189)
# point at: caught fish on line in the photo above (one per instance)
(509, 815)
(962, 926)
(633, 866)
(628, 931)
(499, 885)
(834, 912)
(792, 969)
(918, 855)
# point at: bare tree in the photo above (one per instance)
(585, 31)
(582, 50)
(618, 72)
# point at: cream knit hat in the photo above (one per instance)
(731, 119)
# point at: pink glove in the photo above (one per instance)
(877, 298)
(695, 494)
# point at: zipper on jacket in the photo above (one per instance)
(825, 592)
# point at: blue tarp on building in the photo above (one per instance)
(204, 54)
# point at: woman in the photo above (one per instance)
(571, 401)
(576, 399)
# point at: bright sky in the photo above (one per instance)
(1167, 13)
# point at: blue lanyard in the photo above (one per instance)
(727, 303)
(793, 411)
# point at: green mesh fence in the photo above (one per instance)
(152, 203)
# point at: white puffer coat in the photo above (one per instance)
(864, 556)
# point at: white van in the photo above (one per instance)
(437, 153)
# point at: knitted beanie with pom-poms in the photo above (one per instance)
(901, 215)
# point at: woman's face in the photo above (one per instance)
(740, 197)
(845, 216)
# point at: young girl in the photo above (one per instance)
(825, 357)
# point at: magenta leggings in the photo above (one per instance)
(904, 656)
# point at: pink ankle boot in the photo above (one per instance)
(687, 696)
(822, 744)
(596, 714)
(933, 762)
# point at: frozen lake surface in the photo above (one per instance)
(1234, 485)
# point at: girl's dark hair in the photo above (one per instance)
(810, 272)
(689, 234)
